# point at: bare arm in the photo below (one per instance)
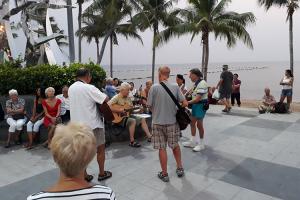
(219, 83)
(195, 100)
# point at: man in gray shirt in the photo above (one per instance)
(225, 87)
(164, 126)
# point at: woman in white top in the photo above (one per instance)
(181, 83)
(76, 140)
(287, 87)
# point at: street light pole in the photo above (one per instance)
(70, 31)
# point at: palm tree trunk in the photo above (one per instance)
(203, 55)
(291, 43)
(111, 56)
(97, 44)
(79, 28)
(103, 47)
(70, 31)
(153, 56)
(206, 57)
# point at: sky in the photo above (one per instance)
(269, 35)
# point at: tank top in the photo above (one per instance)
(286, 80)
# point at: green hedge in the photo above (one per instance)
(27, 79)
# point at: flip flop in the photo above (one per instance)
(107, 174)
(88, 178)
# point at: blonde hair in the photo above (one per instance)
(73, 147)
(125, 86)
(48, 90)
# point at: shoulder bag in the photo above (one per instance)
(182, 117)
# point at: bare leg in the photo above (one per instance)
(163, 158)
(177, 156)
(282, 98)
(8, 138)
(17, 134)
(193, 126)
(51, 133)
(30, 139)
(132, 130)
(145, 128)
(200, 128)
(289, 101)
(101, 158)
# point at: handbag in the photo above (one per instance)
(106, 112)
(216, 95)
(17, 116)
(182, 116)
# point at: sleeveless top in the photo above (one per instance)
(287, 80)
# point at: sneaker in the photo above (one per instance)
(180, 172)
(198, 148)
(164, 178)
(189, 144)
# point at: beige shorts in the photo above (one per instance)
(165, 134)
(99, 134)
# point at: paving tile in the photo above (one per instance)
(269, 124)
(294, 128)
(255, 133)
(245, 194)
(223, 190)
(268, 178)
(142, 192)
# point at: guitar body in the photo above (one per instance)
(119, 116)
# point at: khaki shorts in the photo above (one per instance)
(165, 134)
(99, 134)
(127, 121)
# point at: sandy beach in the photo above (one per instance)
(251, 103)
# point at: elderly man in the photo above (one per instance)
(225, 87)
(268, 102)
(65, 104)
(83, 108)
(122, 105)
(165, 129)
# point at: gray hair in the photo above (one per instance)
(13, 92)
(125, 86)
(49, 89)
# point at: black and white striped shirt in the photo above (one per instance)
(96, 192)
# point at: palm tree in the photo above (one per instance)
(206, 17)
(111, 16)
(292, 6)
(153, 14)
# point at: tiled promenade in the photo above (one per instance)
(247, 157)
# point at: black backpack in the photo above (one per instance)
(281, 108)
(1, 113)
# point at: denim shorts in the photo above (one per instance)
(287, 92)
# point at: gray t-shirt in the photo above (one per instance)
(226, 86)
(163, 107)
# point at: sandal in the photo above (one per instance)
(88, 178)
(164, 178)
(107, 174)
(29, 147)
(149, 139)
(180, 172)
(134, 144)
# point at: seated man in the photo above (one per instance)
(145, 92)
(65, 104)
(110, 89)
(268, 102)
(121, 104)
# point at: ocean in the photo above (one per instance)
(255, 76)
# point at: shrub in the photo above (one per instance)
(27, 79)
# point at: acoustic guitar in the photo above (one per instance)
(120, 116)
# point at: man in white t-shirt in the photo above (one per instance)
(83, 108)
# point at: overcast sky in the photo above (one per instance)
(269, 35)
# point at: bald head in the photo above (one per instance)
(267, 91)
(164, 72)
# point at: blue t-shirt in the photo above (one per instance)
(110, 91)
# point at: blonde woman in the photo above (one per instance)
(79, 141)
(51, 106)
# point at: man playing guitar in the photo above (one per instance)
(120, 105)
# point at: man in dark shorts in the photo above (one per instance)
(165, 129)
(225, 87)
(236, 95)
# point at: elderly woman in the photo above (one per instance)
(51, 106)
(79, 141)
(15, 116)
(37, 118)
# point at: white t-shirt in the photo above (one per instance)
(83, 108)
(286, 80)
(65, 104)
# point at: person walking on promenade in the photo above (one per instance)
(83, 108)
(236, 95)
(287, 87)
(164, 126)
(199, 100)
(225, 87)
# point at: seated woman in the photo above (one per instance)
(15, 109)
(51, 106)
(79, 141)
(120, 104)
(268, 103)
(36, 120)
